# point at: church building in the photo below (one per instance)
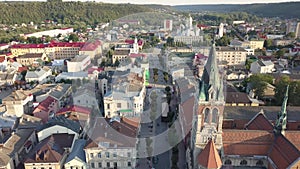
(265, 140)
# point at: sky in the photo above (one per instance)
(186, 2)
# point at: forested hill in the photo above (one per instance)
(65, 12)
(284, 10)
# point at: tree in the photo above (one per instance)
(291, 35)
(73, 37)
(280, 53)
(268, 43)
(117, 63)
(259, 83)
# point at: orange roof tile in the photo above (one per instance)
(283, 152)
(209, 156)
(293, 137)
(247, 142)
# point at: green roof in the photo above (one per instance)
(125, 111)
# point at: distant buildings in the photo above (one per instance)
(50, 33)
(231, 55)
(39, 75)
(79, 63)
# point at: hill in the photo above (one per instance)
(65, 12)
(283, 10)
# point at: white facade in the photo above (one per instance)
(262, 67)
(86, 100)
(124, 104)
(233, 56)
(51, 33)
(75, 163)
(221, 30)
(109, 157)
(79, 63)
(38, 75)
(55, 130)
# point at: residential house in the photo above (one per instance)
(15, 148)
(62, 93)
(261, 66)
(18, 103)
(112, 144)
(39, 75)
(91, 49)
(231, 55)
(58, 65)
(50, 152)
(7, 78)
(46, 109)
(120, 55)
(85, 96)
(79, 63)
(71, 76)
(127, 95)
(76, 158)
(93, 72)
(3, 62)
(58, 124)
(30, 59)
(282, 42)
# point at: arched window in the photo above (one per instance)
(206, 115)
(259, 163)
(228, 162)
(243, 162)
(214, 115)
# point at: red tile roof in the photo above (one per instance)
(52, 44)
(92, 69)
(294, 138)
(23, 68)
(134, 55)
(131, 41)
(74, 108)
(209, 157)
(247, 142)
(45, 104)
(283, 152)
(91, 46)
(2, 59)
(259, 122)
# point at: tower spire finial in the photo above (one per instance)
(281, 121)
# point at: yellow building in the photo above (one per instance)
(31, 58)
(231, 55)
(256, 44)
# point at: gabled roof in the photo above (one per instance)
(61, 121)
(77, 151)
(51, 149)
(209, 157)
(74, 108)
(45, 104)
(283, 153)
(259, 122)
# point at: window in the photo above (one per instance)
(214, 115)
(115, 164)
(228, 162)
(119, 105)
(92, 155)
(108, 164)
(206, 115)
(129, 164)
(114, 154)
(243, 162)
(99, 155)
(93, 165)
(99, 165)
(108, 106)
(259, 163)
(128, 154)
(107, 154)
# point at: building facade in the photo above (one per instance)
(231, 55)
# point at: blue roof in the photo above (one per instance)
(77, 151)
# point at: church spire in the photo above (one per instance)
(211, 80)
(280, 125)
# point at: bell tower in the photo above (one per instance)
(208, 119)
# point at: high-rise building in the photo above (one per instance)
(221, 30)
(297, 33)
(168, 25)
